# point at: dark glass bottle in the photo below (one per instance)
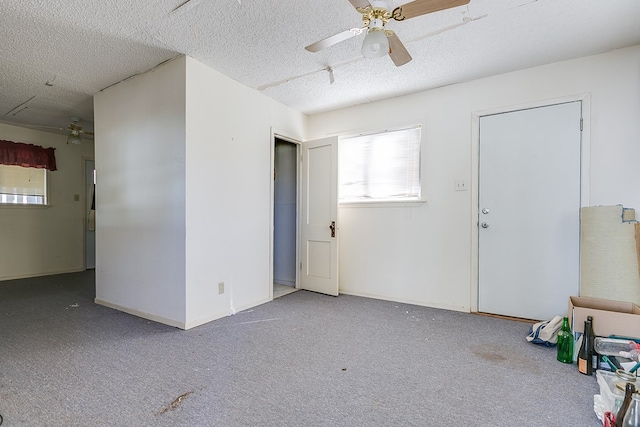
(628, 391)
(565, 343)
(585, 355)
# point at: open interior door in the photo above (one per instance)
(319, 216)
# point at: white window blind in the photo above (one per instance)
(380, 167)
(19, 185)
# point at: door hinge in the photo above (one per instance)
(300, 266)
(581, 124)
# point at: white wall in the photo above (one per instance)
(140, 194)
(423, 254)
(38, 241)
(183, 159)
(228, 199)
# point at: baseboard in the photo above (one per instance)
(175, 323)
(32, 275)
(407, 301)
(206, 319)
(220, 315)
(252, 304)
(138, 313)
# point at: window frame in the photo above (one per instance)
(400, 202)
(46, 202)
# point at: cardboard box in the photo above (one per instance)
(609, 317)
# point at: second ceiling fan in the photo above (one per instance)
(380, 41)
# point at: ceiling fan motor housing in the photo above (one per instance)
(377, 15)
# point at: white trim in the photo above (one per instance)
(406, 301)
(383, 204)
(46, 197)
(85, 218)
(376, 132)
(276, 134)
(23, 206)
(44, 274)
(413, 201)
(138, 313)
(175, 323)
(222, 314)
(585, 165)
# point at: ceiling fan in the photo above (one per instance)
(75, 130)
(380, 41)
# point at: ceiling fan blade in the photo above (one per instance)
(337, 38)
(43, 127)
(360, 4)
(422, 7)
(398, 53)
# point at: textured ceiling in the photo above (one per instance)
(56, 54)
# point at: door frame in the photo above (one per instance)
(280, 135)
(585, 156)
(85, 216)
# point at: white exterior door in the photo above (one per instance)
(529, 211)
(319, 222)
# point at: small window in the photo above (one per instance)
(23, 186)
(380, 167)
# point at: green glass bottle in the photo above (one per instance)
(565, 343)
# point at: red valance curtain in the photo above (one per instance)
(27, 155)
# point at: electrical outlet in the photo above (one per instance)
(461, 186)
(221, 288)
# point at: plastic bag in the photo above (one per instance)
(545, 333)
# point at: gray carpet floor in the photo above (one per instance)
(302, 360)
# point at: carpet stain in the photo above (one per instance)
(490, 356)
(176, 402)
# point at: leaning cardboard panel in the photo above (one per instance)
(638, 245)
(609, 253)
(609, 317)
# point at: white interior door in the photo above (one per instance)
(319, 222)
(529, 211)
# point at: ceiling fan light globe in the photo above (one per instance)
(375, 44)
(74, 139)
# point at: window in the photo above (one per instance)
(379, 167)
(22, 185)
(23, 173)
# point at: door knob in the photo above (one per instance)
(485, 225)
(332, 227)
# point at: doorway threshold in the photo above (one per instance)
(500, 316)
(282, 290)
